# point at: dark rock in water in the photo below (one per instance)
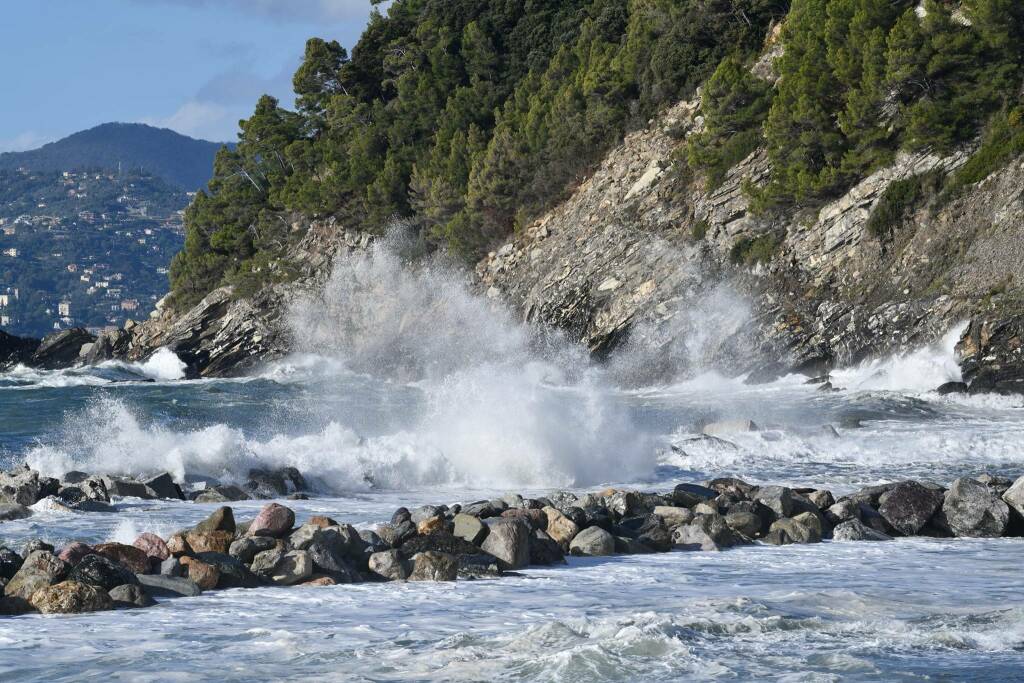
(778, 499)
(705, 532)
(655, 534)
(631, 546)
(952, 388)
(971, 509)
(478, 566)
(747, 524)
(909, 505)
(102, 572)
(508, 541)
(283, 568)
(70, 597)
(16, 350)
(778, 536)
(855, 530)
(60, 349)
(374, 542)
(129, 488)
(333, 549)
(871, 518)
(13, 511)
(434, 566)
(822, 500)
(20, 486)
(870, 495)
(544, 551)
(164, 486)
(33, 545)
(93, 506)
(131, 596)
(731, 485)
(221, 519)
(593, 542)
(390, 565)
(597, 516)
(222, 493)
(535, 518)
(482, 509)
(108, 345)
(10, 563)
(169, 586)
(396, 535)
(39, 570)
(440, 542)
(804, 528)
(425, 512)
(233, 574)
(274, 483)
(75, 477)
(245, 549)
(689, 495)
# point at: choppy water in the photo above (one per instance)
(429, 395)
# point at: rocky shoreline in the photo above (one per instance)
(482, 539)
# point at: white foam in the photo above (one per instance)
(919, 371)
(164, 365)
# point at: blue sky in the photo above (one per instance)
(196, 66)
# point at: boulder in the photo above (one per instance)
(705, 509)
(822, 500)
(99, 571)
(843, 511)
(233, 574)
(705, 532)
(131, 596)
(804, 528)
(209, 541)
(316, 581)
(283, 568)
(508, 541)
(394, 535)
(470, 529)
(688, 495)
(33, 545)
(534, 517)
(432, 566)
(389, 565)
(482, 509)
(221, 519)
(778, 499)
(202, 574)
(178, 546)
(164, 486)
(544, 551)
(433, 525)
(60, 349)
(153, 546)
(855, 530)
(246, 548)
(560, 528)
(129, 488)
(478, 566)
(128, 555)
(39, 570)
(746, 523)
(169, 586)
(171, 567)
(971, 509)
(425, 512)
(593, 542)
(273, 520)
(222, 493)
(274, 483)
(10, 563)
(909, 505)
(655, 534)
(674, 516)
(20, 486)
(10, 512)
(71, 597)
(333, 551)
(1014, 496)
(74, 552)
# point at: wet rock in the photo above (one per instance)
(482, 509)
(778, 536)
(433, 566)
(855, 530)
(909, 505)
(470, 528)
(70, 597)
(843, 511)
(283, 568)
(705, 532)
(334, 549)
(593, 542)
(373, 542)
(233, 574)
(10, 512)
(822, 500)
(952, 388)
(689, 495)
(131, 596)
(221, 519)
(631, 546)
(39, 570)
(478, 566)
(732, 486)
(396, 535)
(746, 523)
(129, 488)
(202, 574)
(778, 499)
(164, 486)
(245, 549)
(20, 486)
(389, 565)
(1014, 496)
(560, 528)
(10, 563)
(544, 550)
(171, 567)
(655, 534)
(60, 349)
(33, 545)
(316, 581)
(153, 546)
(222, 493)
(99, 571)
(273, 520)
(169, 586)
(508, 541)
(971, 509)
(209, 541)
(74, 477)
(804, 528)
(274, 483)
(870, 495)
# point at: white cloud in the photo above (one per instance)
(25, 141)
(297, 10)
(204, 120)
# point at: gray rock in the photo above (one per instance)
(971, 509)
(74, 477)
(274, 483)
(333, 549)
(39, 570)
(102, 572)
(389, 565)
(778, 499)
(33, 545)
(130, 596)
(233, 574)
(544, 551)
(433, 566)
(470, 528)
(822, 500)
(129, 488)
(508, 541)
(20, 486)
(160, 586)
(804, 528)
(172, 567)
(855, 530)
(1014, 496)
(674, 516)
(843, 511)
(478, 566)
(688, 495)
(164, 486)
(61, 349)
(593, 542)
(425, 512)
(283, 568)
(746, 523)
(223, 493)
(909, 505)
(705, 532)
(248, 547)
(12, 511)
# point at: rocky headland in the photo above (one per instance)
(478, 540)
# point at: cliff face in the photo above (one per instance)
(639, 246)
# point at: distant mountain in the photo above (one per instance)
(179, 160)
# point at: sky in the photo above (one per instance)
(195, 66)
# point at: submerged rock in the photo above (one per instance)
(13, 511)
